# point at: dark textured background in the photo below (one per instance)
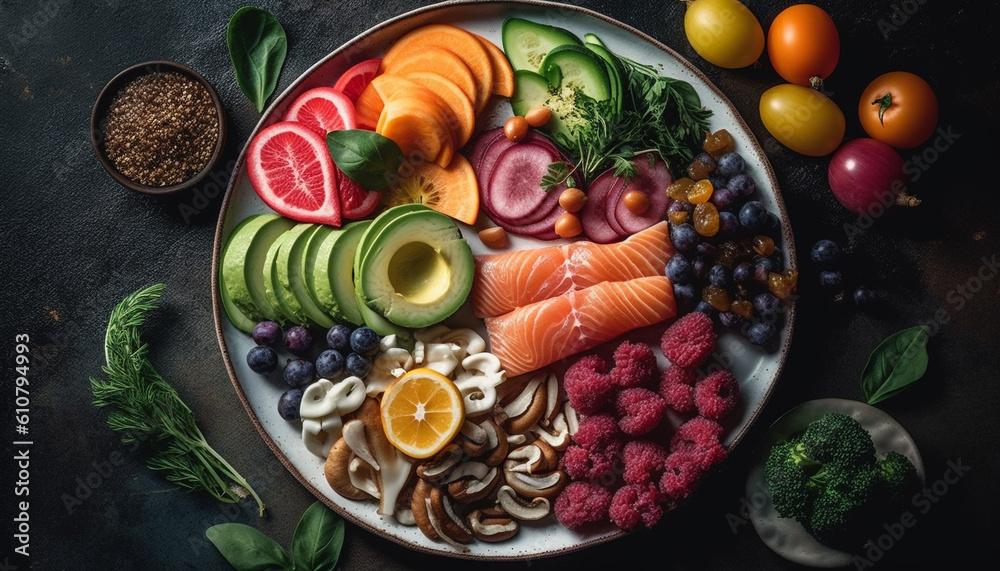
(74, 243)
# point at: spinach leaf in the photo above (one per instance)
(247, 548)
(897, 362)
(366, 157)
(257, 46)
(318, 538)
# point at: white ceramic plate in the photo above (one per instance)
(787, 537)
(757, 370)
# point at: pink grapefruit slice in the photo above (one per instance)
(290, 167)
(357, 77)
(323, 109)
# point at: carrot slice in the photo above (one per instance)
(503, 74)
(437, 60)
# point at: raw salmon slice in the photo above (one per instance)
(509, 280)
(539, 334)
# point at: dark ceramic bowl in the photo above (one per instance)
(98, 120)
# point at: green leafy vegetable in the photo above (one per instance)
(366, 157)
(316, 543)
(658, 114)
(149, 410)
(897, 362)
(257, 46)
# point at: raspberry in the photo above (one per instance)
(635, 365)
(639, 410)
(677, 388)
(588, 385)
(716, 395)
(581, 503)
(635, 504)
(700, 436)
(597, 432)
(681, 476)
(644, 461)
(690, 340)
(579, 463)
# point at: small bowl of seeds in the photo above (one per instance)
(158, 127)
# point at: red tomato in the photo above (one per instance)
(899, 109)
(803, 44)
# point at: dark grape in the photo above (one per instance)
(706, 308)
(700, 267)
(762, 333)
(718, 275)
(753, 216)
(730, 320)
(724, 197)
(339, 338)
(289, 403)
(358, 365)
(298, 340)
(329, 363)
(679, 270)
(762, 267)
(731, 164)
(262, 359)
(743, 272)
(831, 278)
(766, 305)
(299, 373)
(365, 341)
(267, 333)
(706, 249)
(742, 184)
(685, 296)
(825, 251)
(683, 237)
(729, 224)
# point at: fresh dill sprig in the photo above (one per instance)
(149, 411)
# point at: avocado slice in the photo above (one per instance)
(288, 308)
(241, 270)
(291, 273)
(236, 317)
(335, 266)
(417, 270)
(315, 270)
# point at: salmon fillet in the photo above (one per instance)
(506, 281)
(539, 334)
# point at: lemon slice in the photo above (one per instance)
(422, 412)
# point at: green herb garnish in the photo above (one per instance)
(149, 411)
(366, 157)
(316, 543)
(898, 361)
(657, 114)
(257, 46)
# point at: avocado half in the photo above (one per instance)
(413, 266)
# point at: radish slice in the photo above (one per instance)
(514, 192)
(544, 229)
(618, 189)
(652, 180)
(482, 144)
(594, 217)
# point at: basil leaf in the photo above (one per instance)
(247, 548)
(366, 157)
(897, 362)
(318, 538)
(257, 46)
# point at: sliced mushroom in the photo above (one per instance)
(474, 439)
(437, 468)
(521, 508)
(534, 458)
(364, 477)
(478, 380)
(420, 508)
(437, 356)
(526, 408)
(393, 468)
(492, 525)
(499, 447)
(435, 516)
(545, 486)
(553, 400)
(572, 420)
(556, 434)
(474, 488)
(390, 364)
(324, 404)
(337, 472)
(465, 341)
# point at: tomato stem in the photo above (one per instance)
(883, 103)
(903, 199)
(816, 82)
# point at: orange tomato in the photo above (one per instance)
(803, 44)
(899, 109)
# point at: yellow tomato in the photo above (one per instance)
(802, 119)
(724, 32)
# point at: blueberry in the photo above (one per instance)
(339, 338)
(298, 340)
(262, 359)
(683, 236)
(329, 363)
(825, 251)
(765, 305)
(730, 320)
(679, 270)
(684, 296)
(753, 216)
(729, 224)
(724, 197)
(718, 275)
(718, 180)
(731, 164)
(706, 308)
(762, 267)
(358, 365)
(289, 403)
(831, 278)
(365, 341)
(772, 226)
(742, 184)
(267, 333)
(743, 272)
(299, 373)
(865, 297)
(762, 333)
(700, 267)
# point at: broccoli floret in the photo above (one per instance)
(830, 480)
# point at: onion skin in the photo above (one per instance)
(867, 177)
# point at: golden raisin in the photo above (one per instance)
(763, 245)
(636, 201)
(782, 285)
(568, 225)
(572, 199)
(700, 191)
(706, 219)
(678, 216)
(538, 116)
(718, 143)
(678, 189)
(516, 128)
(702, 166)
(742, 307)
(716, 296)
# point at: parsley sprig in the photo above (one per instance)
(149, 411)
(658, 114)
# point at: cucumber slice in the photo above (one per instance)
(527, 43)
(579, 69)
(611, 66)
(590, 39)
